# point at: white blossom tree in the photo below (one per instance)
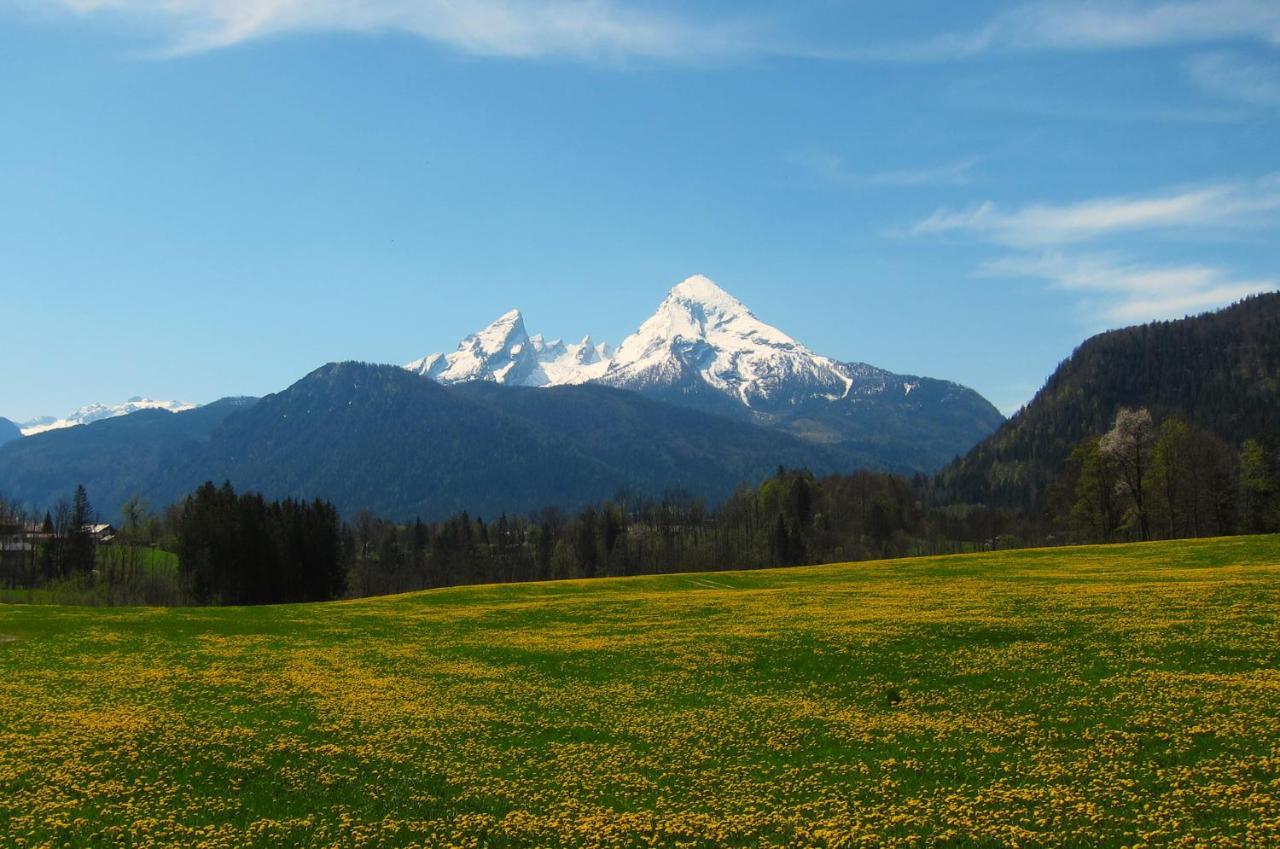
(1129, 444)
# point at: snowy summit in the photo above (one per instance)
(504, 352)
(700, 338)
(702, 334)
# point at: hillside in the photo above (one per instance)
(378, 437)
(972, 700)
(1220, 370)
(8, 431)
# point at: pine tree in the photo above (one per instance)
(80, 542)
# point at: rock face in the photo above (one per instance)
(703, 348)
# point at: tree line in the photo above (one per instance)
(1140, 480)
(241, 549)
(214, 547)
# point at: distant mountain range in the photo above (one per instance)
(1220, 370)
(378, 437)
(98, 412)
(702, 397)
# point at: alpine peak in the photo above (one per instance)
(504, 352)
(703, 348)
(700, 289)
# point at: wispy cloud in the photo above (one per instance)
(834, 170)
(580, 29)
(633, 29)
(1233, 76)
(1114, 287)
(1123, 292)
(1115, 24)
(1219, 205)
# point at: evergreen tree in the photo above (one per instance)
(80, 541)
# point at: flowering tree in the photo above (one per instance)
(1129, 444)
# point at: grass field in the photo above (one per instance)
(1124, 695)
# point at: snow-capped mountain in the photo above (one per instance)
(505, 353)
(700, 337)
(704, 349)
(703, 337)
(96, 412)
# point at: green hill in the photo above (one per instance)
(1099, 696)
(1220, 370)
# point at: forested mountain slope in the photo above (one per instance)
(1220, 371)
(402, 445)
(8, 431)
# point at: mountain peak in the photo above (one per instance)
(702, 335)
(508, 326)
(702, 290)
(499, 351)
(504, 352)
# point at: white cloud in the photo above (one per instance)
(1224, 205)
(583, 29)
(1121, 292)
(626, 29)
(1115, 24)
(1233, 76)
(1115, 289)
(832, 169)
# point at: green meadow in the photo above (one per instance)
(1101, 696)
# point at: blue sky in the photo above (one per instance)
(212, 197)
